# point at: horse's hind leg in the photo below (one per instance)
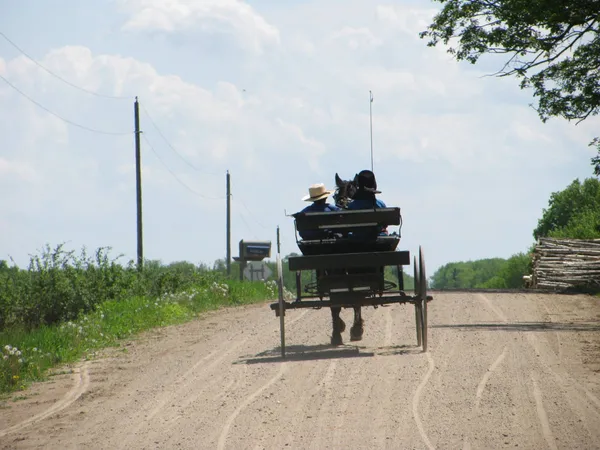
(338, 326)
(357, 329)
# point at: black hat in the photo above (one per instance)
(366, 180)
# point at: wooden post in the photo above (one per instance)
(138, 185)
(228, 225)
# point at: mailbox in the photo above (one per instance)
(254, 250)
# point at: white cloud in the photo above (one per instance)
(210, 16)
(357, 37)
(22, 171)
(409, 20)
(464, 156)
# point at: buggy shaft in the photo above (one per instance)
(378, 301)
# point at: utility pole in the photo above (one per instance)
(278, 241)
(371, 120)
(228, 225)
(138, 185)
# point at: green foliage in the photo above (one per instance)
(59, 286)
(26, 353)
(469, 274)
(553, 46)
(515, 267)
(573, 212)
(584, 225)
(491, 273)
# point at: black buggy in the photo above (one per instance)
(348, 263)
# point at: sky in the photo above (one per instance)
(276, 93)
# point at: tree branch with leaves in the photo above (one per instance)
(553, 47)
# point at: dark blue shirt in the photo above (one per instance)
(364, 200)
(320, 207)
(366, 204)
(317, 207)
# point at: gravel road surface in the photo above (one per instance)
(504, 370)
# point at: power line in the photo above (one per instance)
(175, 176)
(114, 97)
(70, 122)
(173, 148)
(248, 226)
(250, 212)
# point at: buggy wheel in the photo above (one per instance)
(418, 313)
(423, 296)
(281, 305)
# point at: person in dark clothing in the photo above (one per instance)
(365, 197)
(317, 194)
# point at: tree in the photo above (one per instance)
(467, 274)
(552, 46)
(573, 212)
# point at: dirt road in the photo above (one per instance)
(502, 371)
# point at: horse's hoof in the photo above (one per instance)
(356, 333)
(336, 339)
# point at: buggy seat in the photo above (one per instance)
(348, 231)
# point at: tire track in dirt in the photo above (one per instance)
(487, 375)
(81, 379)
(571, 388)
(542, 415)
(415, 402)
(299, 405)
(190, 376)
(327, 386)
(379, 416)
(360, 381)
(494, 308)
(245, 403)
(541, 412)
(552, 368)
(490, 370)
(558, 360)
(181, 383)
(349, 389)
(442, 343)
(233, 384)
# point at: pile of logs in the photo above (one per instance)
(565, 264)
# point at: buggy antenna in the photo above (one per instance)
(371, 120)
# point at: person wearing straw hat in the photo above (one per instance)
(317, 194)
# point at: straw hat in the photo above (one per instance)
(317, 192)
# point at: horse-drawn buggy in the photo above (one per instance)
(347, 252)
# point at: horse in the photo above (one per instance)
(345, 191)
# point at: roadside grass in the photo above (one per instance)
(64, 307)
(27, 356)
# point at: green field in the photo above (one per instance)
(64, 307)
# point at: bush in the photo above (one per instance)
(492, 273)
(58, 286)
(573, 212)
